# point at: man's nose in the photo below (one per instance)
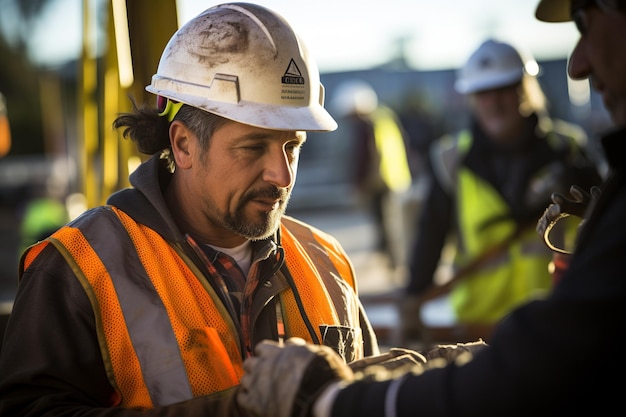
(279, 170)
(578, 66)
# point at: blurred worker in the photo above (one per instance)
(490, 184)
(551, 357)
(381, 166)
(41, 216)
(149, 305)
(421, 127)
(44, 209)
(5, 131)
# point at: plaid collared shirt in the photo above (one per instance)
(236, 288)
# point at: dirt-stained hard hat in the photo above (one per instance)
(244, 62)
(554, 10)
(493, 65)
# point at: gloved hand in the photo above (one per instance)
(394, 358)
(580, 202)
(284, 381)
(561, 205)
(459, 353)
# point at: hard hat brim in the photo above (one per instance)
(554, 11)
(488, 81)
(312, 118)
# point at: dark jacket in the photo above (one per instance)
(558, 356)
(51, 361)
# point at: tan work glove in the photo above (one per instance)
(459, 353)
(284, 380)
(393, 359)
(399, 361)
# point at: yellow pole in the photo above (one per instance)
(88, 152)
(137, 31)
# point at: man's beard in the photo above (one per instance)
(263, 224)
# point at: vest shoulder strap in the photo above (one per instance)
(446, 154)
(318, 254)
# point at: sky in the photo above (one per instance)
(359, 34)
(344, 34)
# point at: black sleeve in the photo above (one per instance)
(557, 356)
(433, 227)
(51, 353)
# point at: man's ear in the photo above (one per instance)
(182, 144)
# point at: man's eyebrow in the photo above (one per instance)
(255, 135)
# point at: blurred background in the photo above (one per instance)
(69, 67)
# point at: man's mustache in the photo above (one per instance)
(273, 193)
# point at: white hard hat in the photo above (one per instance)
(493, 65)
(244, 62)
(354, 97)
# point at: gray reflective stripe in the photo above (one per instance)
(146, 318)
(445, 155)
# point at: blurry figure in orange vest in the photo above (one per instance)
(5, 131)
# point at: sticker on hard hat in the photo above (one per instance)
(294, 78)
(292, 74)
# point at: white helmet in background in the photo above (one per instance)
(493, 65)
(244, 62)
(354, 97)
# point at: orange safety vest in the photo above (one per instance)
(164, 334)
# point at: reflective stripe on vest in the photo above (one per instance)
(138, 306)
